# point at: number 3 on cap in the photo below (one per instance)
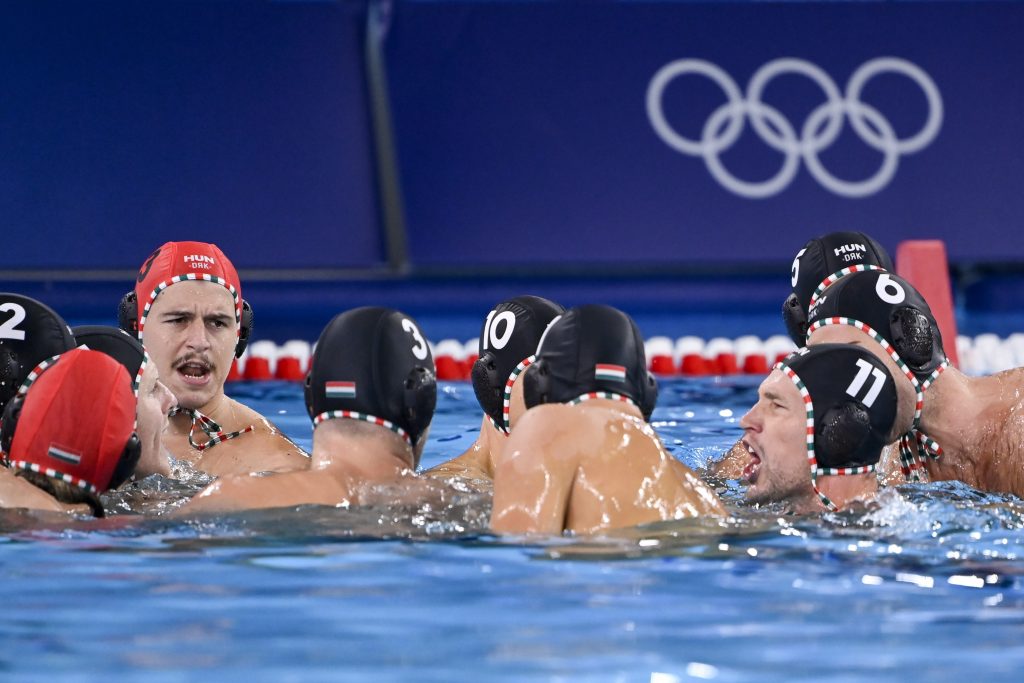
(420, 349)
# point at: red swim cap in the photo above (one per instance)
(76, 420)
(179, 262)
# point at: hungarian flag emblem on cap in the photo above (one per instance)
(64, 455)
(341, 389)
(614, 373)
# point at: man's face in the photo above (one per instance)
(775, 435)
(190, 334)
(155, 401)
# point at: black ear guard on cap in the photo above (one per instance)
(894, 309)
(488, 387)
(795, 318)
(128, 320)
(127, 463)
(128, 313)
(419, 401)
(8, 423)
(854, 400)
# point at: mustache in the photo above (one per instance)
(196, 358)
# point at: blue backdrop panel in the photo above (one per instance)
(128, 123)
(526, 136)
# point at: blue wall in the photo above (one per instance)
(528, 136)
(523, 130)
(124, 124)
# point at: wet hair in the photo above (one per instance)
(63, 491)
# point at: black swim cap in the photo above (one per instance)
(822, 261)
(30, 333)
(591, 351)
(373, 364)
(510, 335)
(850, 399)
(118, 344)
(896, 313)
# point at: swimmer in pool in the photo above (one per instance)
(822, 261)
(371, 393)
(30, 333)
(825, 411)
(188, 311)
(507, 342)
(154, 401)
(957, 427)
(70, 436)
(583, 457)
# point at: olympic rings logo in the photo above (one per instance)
(820, 129)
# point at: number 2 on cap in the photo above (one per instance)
(9, 329)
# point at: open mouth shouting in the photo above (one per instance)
(194, 371)
(753, 464)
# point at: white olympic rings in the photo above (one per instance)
(820, 129)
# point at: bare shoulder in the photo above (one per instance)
(550, 420)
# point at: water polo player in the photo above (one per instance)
(956, 427)
(188, 311)
(154, 401)
(583, 457)
(30, 333)
(818, 428)
(508, 341)
(70, 436)
(822, 261)
(371, 393)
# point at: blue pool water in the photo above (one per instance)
(927, 587)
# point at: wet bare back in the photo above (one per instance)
(588, 468)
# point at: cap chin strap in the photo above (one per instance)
(507, 402)
(363, 417)
(590, 396)
(212, 429)
(915, 446)
(812, 460)
(34, 375)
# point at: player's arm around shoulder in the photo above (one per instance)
(247, 491)
(534, 472)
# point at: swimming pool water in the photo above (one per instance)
(926, 587)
